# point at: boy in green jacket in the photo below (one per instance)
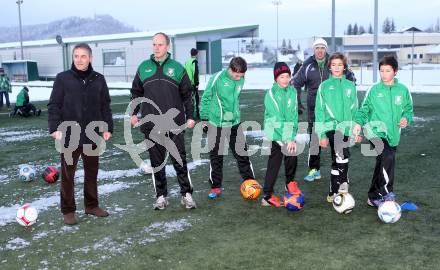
(220, 106)
(280, 126)
(386, 109)
(336, 105)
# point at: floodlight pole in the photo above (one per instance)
(333, 25)
(375, 41)
(412, 59)
(19, 2)
(277, 3)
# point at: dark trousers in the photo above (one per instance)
(174, 145)
(314, 160)
(196, 100)
(91, 166)
(274, 164)
(383, 176)
(235, 136)
(25, 110)
(340, 154)
(6, 98)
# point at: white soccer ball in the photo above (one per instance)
(26, 173)
(27, 215)
(389, 212)
(343, 203)
(145, 167)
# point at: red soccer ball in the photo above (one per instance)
(51, 174)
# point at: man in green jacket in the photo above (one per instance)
(220, 106)
(165, 85)
(22, 105)
(5, 88)
(192, 68)
(336, 105)
(386, 109)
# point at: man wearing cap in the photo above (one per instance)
(5, 88)
(312, 73)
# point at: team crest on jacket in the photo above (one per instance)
(170, 72)
(239, 88)
(398, 100)
(289, 102)
(348, 92)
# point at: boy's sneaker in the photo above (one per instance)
(161, 203)
(343, 188)
(312, 175)
(188, 201)
(271, 200)
(374, 203)
(214, 193)
(330, 198)
(293, 188)
(390, 197)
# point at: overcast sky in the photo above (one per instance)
(297, 18)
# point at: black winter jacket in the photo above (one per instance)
(80, 100)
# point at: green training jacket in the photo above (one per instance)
(336, 106)
(280, 113)
(220, 103)
(382, 109)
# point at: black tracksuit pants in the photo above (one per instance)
(237, 144)
(340, 154)
(314, 159)
(158, 153)
(274, 165)
(383, 176)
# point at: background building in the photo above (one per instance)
(117, 56)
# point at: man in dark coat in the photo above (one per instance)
(79, 114)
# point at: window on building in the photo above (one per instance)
(114, 58)
(409, 56)
(420, 56)
(415, 56)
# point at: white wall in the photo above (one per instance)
(49, 58)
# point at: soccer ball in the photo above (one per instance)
(250, 189)
(293, 202)
(51, 174)
(27, 215)
(26, 173)
(389, 212)
(343, 203)
(145, 167)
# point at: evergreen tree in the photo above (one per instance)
(392, 26)
(355, 29)
(349, 30)
(361, 30)
(386, 26)
(370, 29)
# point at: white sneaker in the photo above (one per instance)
(188, 201)
(343, 188)
(161, 203)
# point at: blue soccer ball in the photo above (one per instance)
(294, 202)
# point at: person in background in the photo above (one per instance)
(5, 88)
(22, 105)
(192, 69)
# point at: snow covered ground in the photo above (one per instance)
(425, 81)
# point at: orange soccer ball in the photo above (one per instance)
(250, 189)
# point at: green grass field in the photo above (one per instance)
(229, 233)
